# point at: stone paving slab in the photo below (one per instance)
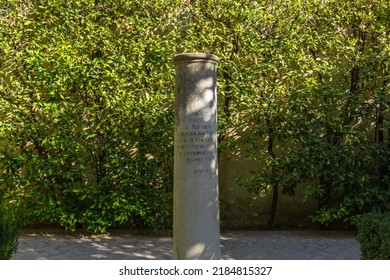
(235, 245)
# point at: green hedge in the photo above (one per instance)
(374, 236)
(9, 232)
(87, 104)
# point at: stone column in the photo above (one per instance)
(196, 230)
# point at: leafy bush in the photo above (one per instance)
(315, 105)
(9, 232)
(374, 236)
(86, 116)
(385, 237)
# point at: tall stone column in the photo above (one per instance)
(196, 230)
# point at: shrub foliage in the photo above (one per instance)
(374, 236)
(9, 232)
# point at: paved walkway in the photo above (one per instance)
(237, 245)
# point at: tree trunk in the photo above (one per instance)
(272, 214)
(380, 136)
(275, 187)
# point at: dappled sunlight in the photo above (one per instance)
(196, 250)
(235, 245)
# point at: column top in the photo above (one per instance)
(195, 57)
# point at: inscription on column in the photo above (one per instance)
(196, 143)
